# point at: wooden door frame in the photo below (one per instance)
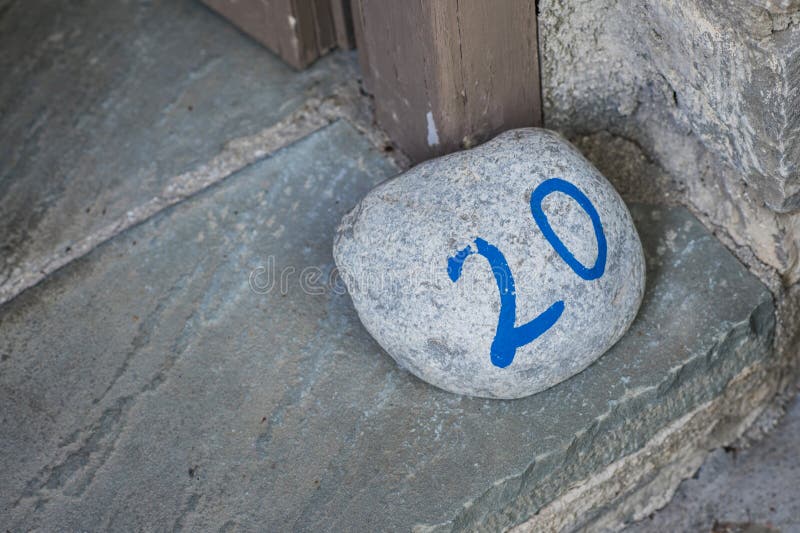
(445, 74)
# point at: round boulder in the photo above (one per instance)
(497, 271)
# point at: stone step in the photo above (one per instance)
(157, 383)
(107, 106)
(751, 488)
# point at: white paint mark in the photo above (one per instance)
(433, 135)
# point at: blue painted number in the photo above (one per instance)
(509, 337)
(558, 185)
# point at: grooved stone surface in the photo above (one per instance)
(147, 386)
(102, 101)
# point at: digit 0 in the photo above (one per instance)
(508, 336)
(558, 185)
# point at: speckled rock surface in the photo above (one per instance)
(497, 271)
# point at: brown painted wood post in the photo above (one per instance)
(299, 31)
(343, 24)
(447, 74)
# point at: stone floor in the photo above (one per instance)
(185, 360)
(750, 490)
(104, 104)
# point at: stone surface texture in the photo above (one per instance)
(704, 90)
(649, 90)
(733, 69)
(752, 487)
(778, 6)
(102, 103)
(443, 331)
(638, 484)
(157, 384)
(727, 69)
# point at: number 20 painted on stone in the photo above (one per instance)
(509, 337)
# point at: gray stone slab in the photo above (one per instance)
(102, 102)
(737, 489)
(147, 386)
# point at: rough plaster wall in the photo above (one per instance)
(732, 74)
(601, 72)
(725, 69)
(603, 89)
(673, 109)
(778, 6)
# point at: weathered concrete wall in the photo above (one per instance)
(778, 6)
(707, 94)
(727, 69)
(733, 68)
(696, 103)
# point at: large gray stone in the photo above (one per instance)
(148, 387)
(103, 102)
(560, 278)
